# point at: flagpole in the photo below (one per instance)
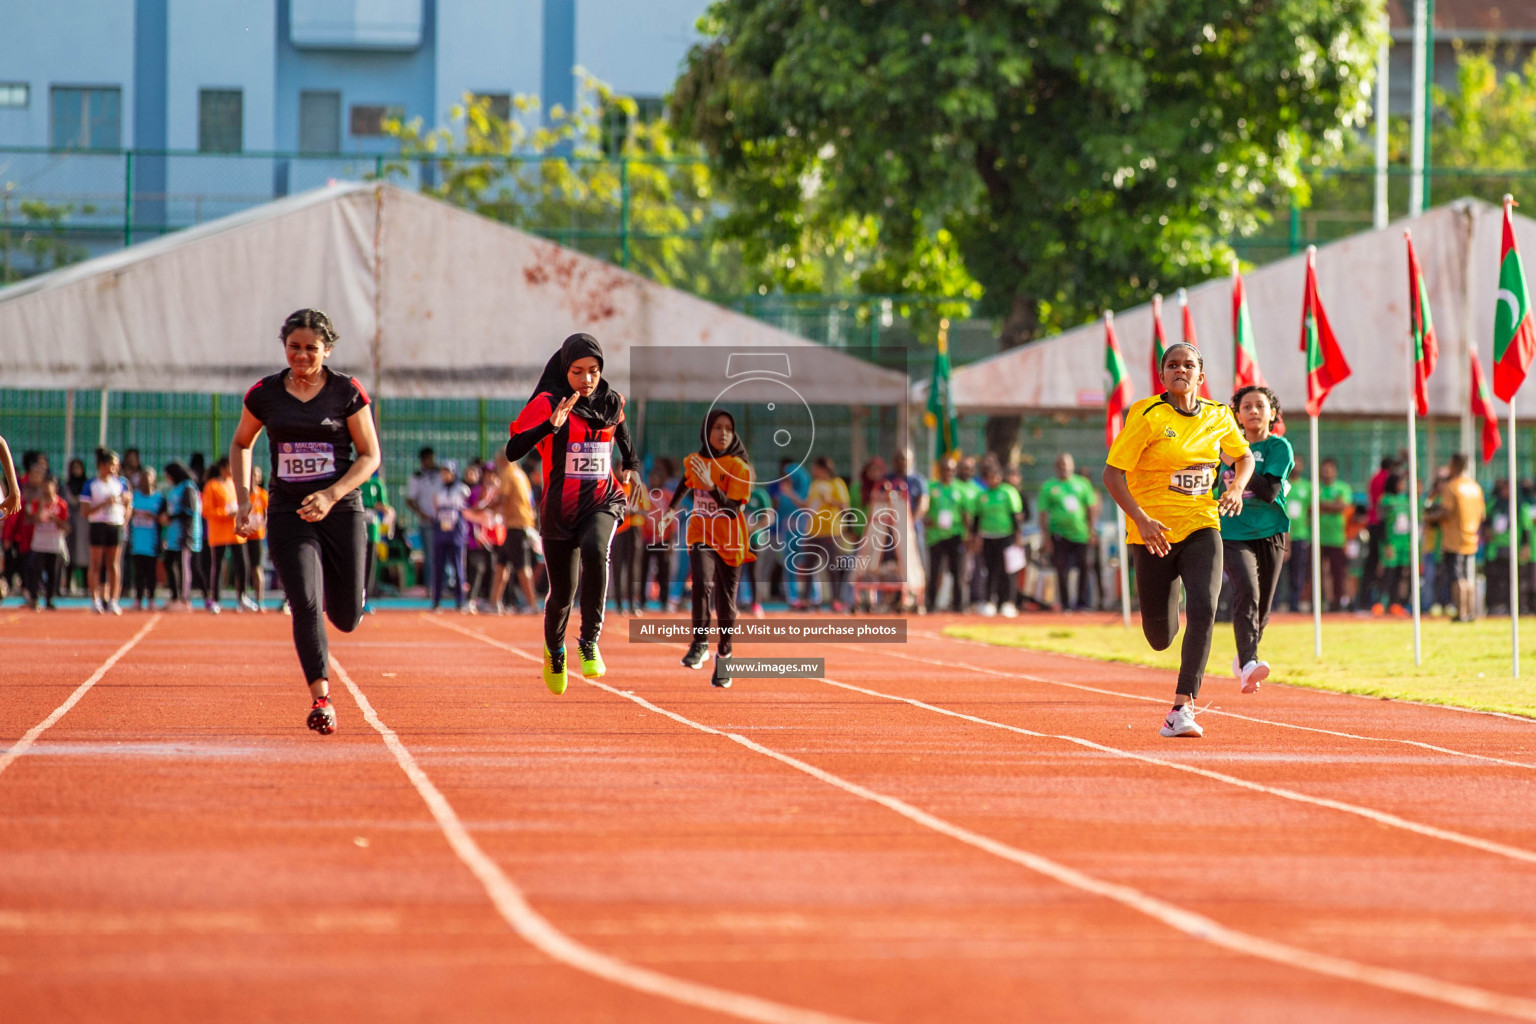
(1125, 568)
(1514, 548)
(1317, 554)
(1413, 519)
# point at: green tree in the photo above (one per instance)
(1069, 155)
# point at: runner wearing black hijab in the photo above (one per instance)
(719, 476)
(574, 420)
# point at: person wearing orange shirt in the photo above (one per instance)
(220, 507)
(256, 543)
(719, 476)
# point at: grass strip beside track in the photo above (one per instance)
(1464, 665)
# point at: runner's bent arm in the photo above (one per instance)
(11, 503)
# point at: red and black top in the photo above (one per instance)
(580, 477)
(310, 441)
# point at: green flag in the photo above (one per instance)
(941, 407)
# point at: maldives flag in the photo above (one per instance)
(1482, 406)
(1514, 336)
(1118, 395)
(1159, 345)
(1245, 356)
(1326, 368)
(1426, 349)
(1189, 337)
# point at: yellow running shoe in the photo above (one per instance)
(554, 670)
(591, 659)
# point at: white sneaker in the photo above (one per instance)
(248, 605)
(96, 606)
(989, 609)
(114, 608)
(1181, 722)
(1009, 611)
(211, 608)
(1254, 673)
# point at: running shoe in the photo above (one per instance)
(114, 608)
(718, 678)
(554, 670)
(212, 608)
(698, 654)
(757, 610)
(1181, 722)
(591, 659)
(1254, 673)
(248, 605)
(1008, 611)
(322, 716)
(988, 610)
(97, 607)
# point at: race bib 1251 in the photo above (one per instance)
(305, 460)
(587, 460)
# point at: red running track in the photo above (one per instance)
(177, 847)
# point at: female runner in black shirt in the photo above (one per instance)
(316, 533)
(575, 419)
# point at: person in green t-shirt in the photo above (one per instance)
(1496, 547)
(1254, 541)
(1298, 508)
(376, 514)
(1395, 512)
(1069, 508)
(1334, 497)
(999, 517)
(951, 507)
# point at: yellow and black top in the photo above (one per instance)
(1171, 458)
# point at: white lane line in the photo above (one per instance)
(1194, 925)
(1523, 719)
(1210, 711)
(20, 746)
(544, 936)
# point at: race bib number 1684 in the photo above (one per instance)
(1193, 480)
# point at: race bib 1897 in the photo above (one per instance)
(587, 460)
(305, 460)
(1193, 480)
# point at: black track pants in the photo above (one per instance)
(999, 590)
(1195, 560)
(320, 566)
(712, 577)
(1067, 555)
(1253, 566)
(947, 552)
(586, 553)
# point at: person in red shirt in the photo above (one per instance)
(575, 420)
(1377, 531)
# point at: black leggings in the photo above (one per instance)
(585, 551)
(144, 577)
(711, 573)
(236, 570)
(949, 551)
(1066, 555)
(178, 570)
(1253, 566)
(320, 566)
(38, 567)
(1196, 560)
(999, 588)
(656, 563)
(622, 566)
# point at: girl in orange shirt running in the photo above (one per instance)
(719, 476)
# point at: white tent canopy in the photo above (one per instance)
(430, 301)
(1363, 281)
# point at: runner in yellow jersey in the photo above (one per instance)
(1161, 470)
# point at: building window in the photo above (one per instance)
(87, 118)
(14, 94)
(368, 120)
(498, 104)
(617, 124)
(220, 120)
(319, 122)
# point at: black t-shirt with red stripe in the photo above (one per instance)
(310, 443)
(580, 464)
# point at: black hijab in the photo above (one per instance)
(735, 448)
(604, 406)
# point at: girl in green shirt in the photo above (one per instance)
(1255, 540)
(1395, 517)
